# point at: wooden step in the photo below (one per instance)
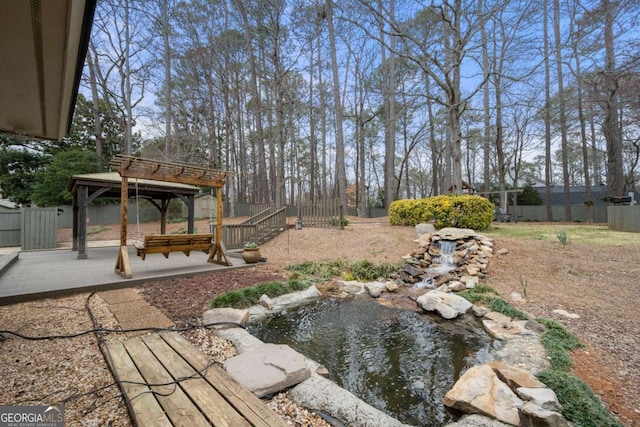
(166, 381)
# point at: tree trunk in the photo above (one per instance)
(341, 175)
(547, 115)
(97, 119)
(562, 114)
(260, 184)
(486, 140)
(611, 126)
(166, 57)
(389, 79)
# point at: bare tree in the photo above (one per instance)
(341, 174)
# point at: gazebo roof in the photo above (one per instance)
(111, 181)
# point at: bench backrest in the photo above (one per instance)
(179, 240)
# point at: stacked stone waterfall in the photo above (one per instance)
(470, 259)
(423, 268)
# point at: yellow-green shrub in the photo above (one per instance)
(465, 211)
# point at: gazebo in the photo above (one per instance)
(85, 188)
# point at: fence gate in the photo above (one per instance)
(39, 228)
(10, 227)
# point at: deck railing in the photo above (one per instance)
(260, 215)
(258, 208)
(259, 231)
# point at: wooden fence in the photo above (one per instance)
(39, 228)
(258, 231)
(624, 218)
(10, 228)
(326, 214)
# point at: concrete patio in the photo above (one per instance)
(32, 275)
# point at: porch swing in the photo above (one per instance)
(166, 243)
(133, 167)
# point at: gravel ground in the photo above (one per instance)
(599, 283)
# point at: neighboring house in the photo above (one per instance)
(205, 206)
(578, 194)
(7, 204)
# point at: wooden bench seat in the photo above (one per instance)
(166, 243)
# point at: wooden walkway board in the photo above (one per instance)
(168, 382)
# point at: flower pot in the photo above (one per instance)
(251, 255)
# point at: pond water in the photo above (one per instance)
(398, 361)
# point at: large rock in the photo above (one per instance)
(503, 327)
(447, 305)
(515, 377)
(225, 317)
(325, 396)
(351, 287)
(452, 233)
(526, 352)
(375, 288)
(540, 417)
(541, 396)
(283, 302)
(476, 420)
(480, 391)
(268, 369)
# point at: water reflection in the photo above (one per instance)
(396, 360)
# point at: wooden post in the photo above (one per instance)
(164, 207)
(82, 222)
(75, 208)
(123, 268)
(219, 252)
(190, 213)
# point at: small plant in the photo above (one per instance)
(251, 245)
(562, 236)
(524, 284)
(486, 295)
(335, 221)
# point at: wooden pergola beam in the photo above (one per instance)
(136, 167)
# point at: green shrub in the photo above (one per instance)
(579, 403)
(465, 211)
(335, 221)
(365, 271)
(501, 306)
(249, 296)
(319, 270)
(233, 299)
(558, 342)
(487, 295)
